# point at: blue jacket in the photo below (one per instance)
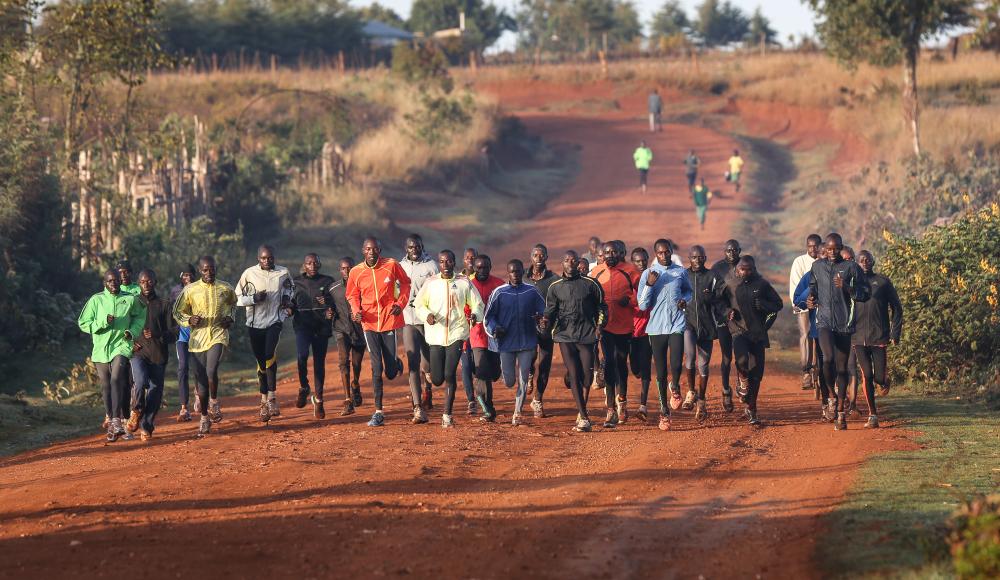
(661, 299)
(513, 308)
(801, 295)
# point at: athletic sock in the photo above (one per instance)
(271, 395)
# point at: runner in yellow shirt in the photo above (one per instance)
(735, 168)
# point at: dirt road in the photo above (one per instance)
(309, 499)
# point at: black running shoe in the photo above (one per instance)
(356, 394)
(302, 399)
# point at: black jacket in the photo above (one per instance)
(310, 315)
(548, 278)
(874, 326)
(835, 308)
(752, 320)
(724, 269)
(160, 321)
(342, 323)
(575, 309)
(708, 299)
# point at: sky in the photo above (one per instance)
(786, 16)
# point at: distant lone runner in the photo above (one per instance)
(643, 156)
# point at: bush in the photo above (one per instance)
(439, 117)
(948, 283)
(975, 538)
(423, 64)
(81, 386)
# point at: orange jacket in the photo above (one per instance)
(618, 282)
(373, 290)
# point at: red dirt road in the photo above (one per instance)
(308, 499)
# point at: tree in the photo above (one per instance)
(483, 23)
(760, 29)
(987, 34)
(670, 20)
(885, 32)
(625, 28)
(719, 24)
(383, 14)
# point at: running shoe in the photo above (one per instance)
(701, 412)
(122, 431)
(538, 409)
(853, 409)
(419, 416)
(872, 422)
(741, 389)
(472, 408)
(205, 426)
(689, 400)
(265, 412)
(621, 405)
(611, 420)
(664, 423)
(197, 402)
(183, 416)
(356, 393)
(488, 418)
(599, 382)
(883, 390)
(300, 401)
(377, 420)
(272, 406)
(807, 381)
(214, 410)
(727, 401)
(348, 408)
(112, 431)
(133, 421)
(427, 399)
(582, 425)
(318, 411)
(106, 423)
(145, 435)
(641, 414)
(831, 410)
(751, 416)
(516, 419)
(447, 422)
(675, 397)
(531, 384)
(841, 424)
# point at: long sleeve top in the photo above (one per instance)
(447, 299)
(213, 303)
(514, 309)
(373, 290)
(110, 339)
(661, 298)
(277, 283)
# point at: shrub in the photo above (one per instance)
(81, 386)
(975, 538)
(439, 117)
(423, 63)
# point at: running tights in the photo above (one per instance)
(487, 365)
(350, 355)
(579, 361)
(836, 347)
(306, 340)
(726, 349)
(183, 386)
(872, 361)
(661, 344)
(444, 370)
(640, 358)
(206, 374)
(382, 349)
(114, 378)
(750, 363)
(543, 358)
(263, 342)
(515, 367)
(697, 351)
(417, 359)
(615, 348)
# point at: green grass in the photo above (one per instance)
(892, 523)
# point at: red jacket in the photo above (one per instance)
(372, 291)
(618, 282)
(640, 318)
(478, 338)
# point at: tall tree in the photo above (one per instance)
(383, 14)
(484, 23)
(760, 29)
(626, 28)
(885, 33)
(721, 23)
(670, 20)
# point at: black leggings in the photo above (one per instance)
(263, 342)
(114, 378)
(350, 356)
(306, 340)
(872, 361)
(543, 356)
(640, 359)
(836, 347)
(660, 343)
(750, 363)
(726, 350)
(382, 348)
(444, 370)
(417, 355)
(206, 374)
(579, 361)
(615, 348)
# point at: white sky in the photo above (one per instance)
(786, 16)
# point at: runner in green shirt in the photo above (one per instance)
(701, 195)
(643, 156)
(128, 286)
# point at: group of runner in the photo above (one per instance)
(612, 313)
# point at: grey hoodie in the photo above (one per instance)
(418, 271)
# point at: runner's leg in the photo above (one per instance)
(199, 362)
(546, 347)
(468, 380)
(183, 384)
(703, 359)
(412, 345)
(344, 361)
(271, 337)
(659, 344)
(577, 357)
(258, 340)
(155, 375)
(320, 344)
(303, 340)
(726, 359)
(104, 375)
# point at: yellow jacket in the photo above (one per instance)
(447, 300)
(212, 302)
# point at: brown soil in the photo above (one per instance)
(308, 499)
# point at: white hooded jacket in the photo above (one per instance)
(447, 300)
(278, 285)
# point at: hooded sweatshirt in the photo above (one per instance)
(447, 299)
(418, 271)
(278, 285)
(109, 339)
(660, 300)
(373, 290)
(513, 308)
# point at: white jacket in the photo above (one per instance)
(278, 285)
(447, 299)
(800, 266)
(419, 272)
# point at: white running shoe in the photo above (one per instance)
(538, 409)
(447, 422)
(516, 419)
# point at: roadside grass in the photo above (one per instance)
(892, 524)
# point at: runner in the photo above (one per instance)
(419, 266)
(655, 106)
(801, 297)
(835, 287)
(619, 285)
(593, 246)
(701, 195)
(467, 362)
(350, 340)
(575, 310)
(735, 169)
(377, 290)
(691, 164)
(724, 268)
(853, 371)
(207, 308)
(875, 331)
(640, 356)
(149, 358)
(664, 291)
(800, 267)
(753, 306)
(112, 318)
(643, 156)
(187, 276)
(125, 274)
(584, 266)
(265, 290)
(708, 296)
(312, 304)
(510, 319)
(541, 278)
(441, 303)
(486, 361)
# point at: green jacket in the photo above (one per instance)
(110, 340)
(700, 195)
(643, 156)
(132, 289)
